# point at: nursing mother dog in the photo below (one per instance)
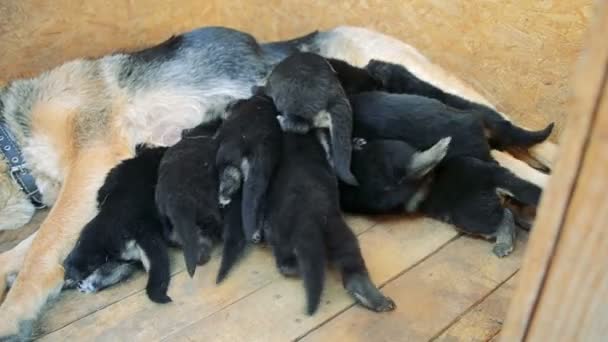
(72, 124)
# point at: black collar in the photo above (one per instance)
(19, 173)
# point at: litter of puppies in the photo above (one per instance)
(320, 137)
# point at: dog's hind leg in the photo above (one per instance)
(41, 275)
(234, 238)
(107, 275)
(343, 249)
(505, 235)
(310, 254)
(11, 261)
(155, 258)
(254, 190)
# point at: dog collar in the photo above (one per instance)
(19, 173)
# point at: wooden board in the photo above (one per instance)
(430, 297)
(564, 281)
(483, 321)
(254, 288)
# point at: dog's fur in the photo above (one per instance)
(127, 227)
(463, 191)
(77, 121)
(308, 94)
(187, 194)
(392, 173)
(249, 150)
(304, 225)
(233, 236)
(421, 121)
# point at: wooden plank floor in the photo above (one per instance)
(447, 287)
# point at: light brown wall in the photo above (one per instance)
(518, 53)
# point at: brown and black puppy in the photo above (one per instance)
(304, 225)
(187, 193)
(127, 228)
(249, 150)
(308, 94)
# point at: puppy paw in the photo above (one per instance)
(257, 237)
(224, 201)
(358, 143)
(87, 286)
(384, 305)
(501, 250)
(289, 270)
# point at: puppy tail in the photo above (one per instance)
(310, 252)
(234, 239)
(341, 127)
(503, 134)
(260, 168)
(520, 189)
(189, 233)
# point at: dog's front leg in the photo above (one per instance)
(11, 261)
(41, 274)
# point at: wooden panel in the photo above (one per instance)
(255, 290)
(518, 53)
(429, 297)
(561, 279)
(484, 320)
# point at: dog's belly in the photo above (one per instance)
(158, 116)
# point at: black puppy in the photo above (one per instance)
(304, 225)
(307, 93)
(396, 79)
(422, 121)
(249, 150)
(126, 228)
(393, 175)
(187, 194)
(462, 190)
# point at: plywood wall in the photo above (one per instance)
(519, 53)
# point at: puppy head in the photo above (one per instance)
(93, 249)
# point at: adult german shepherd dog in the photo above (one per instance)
(77, 121)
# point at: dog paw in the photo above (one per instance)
(289, 270)
(224, 201)
(358, 143)
(257, 237)
(501, 250)
(384, 305)
(10, 329)
(87, 286)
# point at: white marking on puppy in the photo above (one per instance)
(144, 258)
(245, 168)
(131, 251)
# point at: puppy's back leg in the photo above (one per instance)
(107, 275)
(343, 249)
(234, 238)
(155, 258)
(42, 274)
(505, 235)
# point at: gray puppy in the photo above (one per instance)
(308, 94)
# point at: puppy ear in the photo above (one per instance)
(423, 162)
